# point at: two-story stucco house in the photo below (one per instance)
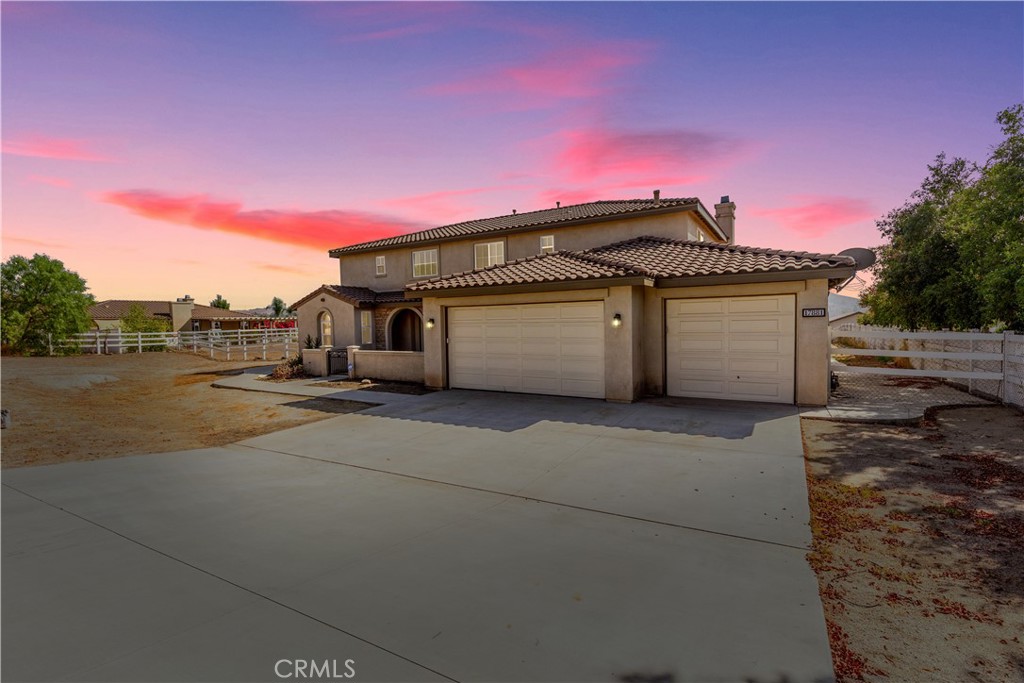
(609, 299)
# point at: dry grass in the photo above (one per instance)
(90, 407)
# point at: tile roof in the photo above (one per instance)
(530, 219)
(656, 258)
(115, 309)
(359, 296)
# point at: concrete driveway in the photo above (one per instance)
(455, 536)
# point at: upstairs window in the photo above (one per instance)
(489, 254)
(424, 263)
(547, 244)
(382, 268)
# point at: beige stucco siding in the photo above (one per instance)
(359, 270)
(344, 316)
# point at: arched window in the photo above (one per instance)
(326, 325)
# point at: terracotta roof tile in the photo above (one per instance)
(518, 221)
(115, 309)
(362, 296)
(652, 257)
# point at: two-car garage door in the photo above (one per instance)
(737, 348)
(553, 349)
(734, 348)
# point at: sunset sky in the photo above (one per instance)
(160, 149)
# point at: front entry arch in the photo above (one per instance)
(405, 330)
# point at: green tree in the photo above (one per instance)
(137, 320)
(220, 302)
(955, 251)
(40, 298)
(279, 306)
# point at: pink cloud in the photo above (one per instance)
(814, 216)
(589, 155)
(310, 229)
(279, 268)
(571, 73)
(49, 180)
(51, 148)
(34, 242)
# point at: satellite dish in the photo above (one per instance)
(864, 258)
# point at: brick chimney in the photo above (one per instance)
(725, 215)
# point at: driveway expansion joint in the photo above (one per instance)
(520, 496)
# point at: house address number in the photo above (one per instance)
(814, 312)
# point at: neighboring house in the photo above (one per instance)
(611, 299)
(183, 314)
(843, 309)
(268, 319)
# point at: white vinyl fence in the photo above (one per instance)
(218, 344)
(990, 364)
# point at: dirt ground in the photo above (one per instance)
(89, 407)
(919, 545)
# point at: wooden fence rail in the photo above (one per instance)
(242, 344)
(992, 363)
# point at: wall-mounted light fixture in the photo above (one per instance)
(617, 320)
(430, 323)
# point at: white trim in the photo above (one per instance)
(492, 258)
(549, 247)
(381, 266)
(435, 262)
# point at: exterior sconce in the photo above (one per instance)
(616, 320)
(430, 323)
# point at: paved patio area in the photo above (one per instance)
(453, 536)
(880, 398)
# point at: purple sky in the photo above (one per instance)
(168, 148)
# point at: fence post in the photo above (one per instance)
(264, 348)
(1004, 348)
(97, 342)
(245, 350)
(49, 342)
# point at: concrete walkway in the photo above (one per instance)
(873, 398)
(453, 536)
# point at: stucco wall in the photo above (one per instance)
(359, 270)
(344, 315)
(396, 366)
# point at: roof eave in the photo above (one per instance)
(560, 285)
(710, 221)
(653, 211)
(744, 278)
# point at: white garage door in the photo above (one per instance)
(537, 349)
(736, 348)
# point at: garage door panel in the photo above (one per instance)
(695, 306)
(589, 310)
(737, 348)
(698, 326)
(538, 348)
(755, 326)
(769, 346)
(765, 305)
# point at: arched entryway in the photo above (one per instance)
(405, 331)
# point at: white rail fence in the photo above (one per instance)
(219, 344)
(990, 364)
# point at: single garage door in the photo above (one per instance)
(537, 349)
(736, 348)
